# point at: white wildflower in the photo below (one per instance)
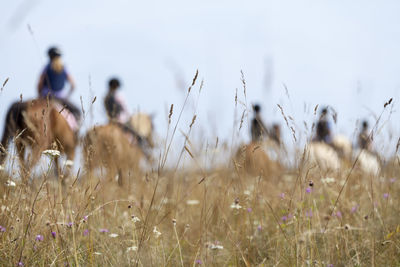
(51, 153)
(113, 235)
(133, 248)
(236, 206)
(135, 219)
(10, 183)
(156, 232)
(192, 202)
(328, 180)
(216, 247)
(69, 163)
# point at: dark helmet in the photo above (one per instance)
(54, 52)
(256, 108)
(114, 83)
(365, 124)
(324, 111)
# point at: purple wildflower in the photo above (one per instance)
(20, 263)
(386, 195)
(308, 190)
(2, 229)
(259, 228)
(284, 218)
(249, 209)
(85, 218)
(70, 224)
(39, 238)
(354, 209)
(86, 232)
(104, 230)
(53, 234)
(392, 180)
(282, 195)
(329, 265)
(339, 214)
(309, 213)
(199, 262)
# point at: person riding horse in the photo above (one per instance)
(323, 128)
(53, 79)
(116, 109)
(258, 129)
(364, 139)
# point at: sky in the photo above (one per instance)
(293, 53)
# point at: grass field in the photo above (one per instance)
(218, 215)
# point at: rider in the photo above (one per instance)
(116, 109)
(323, 128)
(258, 129)
(52, 81)
(364, 139)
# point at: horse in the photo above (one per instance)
(254, 159)
(38, 124)
(332, 158)
(118, 151)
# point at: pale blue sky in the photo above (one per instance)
(345, 54)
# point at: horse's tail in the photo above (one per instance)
(14, 123)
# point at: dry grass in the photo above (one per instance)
(203, 216)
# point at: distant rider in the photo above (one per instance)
(258, 129)
(116, 108)
(53, 79)
(323, 128)
(364, 139)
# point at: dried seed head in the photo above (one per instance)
(311, 183)
(174, 221)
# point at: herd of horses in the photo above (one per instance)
(40, 124)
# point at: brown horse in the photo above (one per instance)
(116, 150)
(39, 125)
(254, 160)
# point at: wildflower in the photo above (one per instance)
(10, 183)
(386, 195)
(199, 262)
(392, 180)
(86, 232)
(249, 209)
(156, 232)
(104, 230)
(309, 214)
(216, 247)
(39, 238)
(339, 214)
(20, 263)
(282, 195)
(308, 190)
(135, 218)
(328, 180)
(354, 209)
(133, 248)
(53, 234)
(259, 228)
(69, 163)
(51, 153)
(70, 224)
(192, 202)
(2, 229)
(329, 265)
(113, 235)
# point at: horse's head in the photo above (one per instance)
(143, 125)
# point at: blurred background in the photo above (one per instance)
(294, 53)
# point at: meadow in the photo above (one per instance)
(209, 213)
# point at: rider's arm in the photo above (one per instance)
(71, 83)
